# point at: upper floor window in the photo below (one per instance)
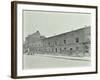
(77, 48)
(77, 40)
(64, 48)
(55, 43)
(49, 43)
(64, 41)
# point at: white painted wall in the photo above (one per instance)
(5, 40)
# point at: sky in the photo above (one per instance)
(53, 23)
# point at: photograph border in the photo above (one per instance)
(14, 38)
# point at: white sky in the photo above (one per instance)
(53, 23)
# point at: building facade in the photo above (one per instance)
(74, 43)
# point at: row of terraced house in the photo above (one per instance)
(73, 43)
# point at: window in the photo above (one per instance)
(77, 40)
(70, 49)
(87, 47)
(87, 51)
(55, 43)
(49, 43)
(60, 49)
(77, 48)
(52, 49)
(56, 49)
(64, 41)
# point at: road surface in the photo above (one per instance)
(38, 61)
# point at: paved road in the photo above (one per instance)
(37, 61)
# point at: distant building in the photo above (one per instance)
(74, 43)
(32, 43)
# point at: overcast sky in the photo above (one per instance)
(53, 23)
